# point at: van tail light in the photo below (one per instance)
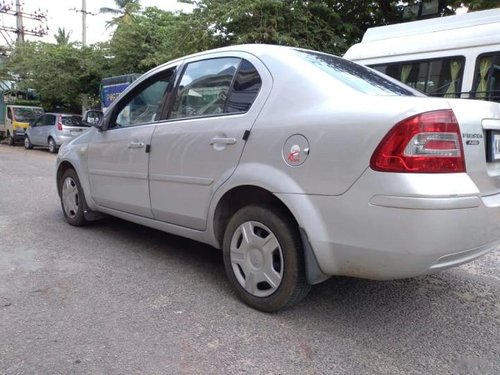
(59, 123)
(429, 142)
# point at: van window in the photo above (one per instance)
(436, 77)
(487, 78)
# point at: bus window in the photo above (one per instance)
(437, 77)
(487, 78)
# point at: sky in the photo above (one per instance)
(61, 13)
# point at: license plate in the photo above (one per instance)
(493, 146)
(75, 132)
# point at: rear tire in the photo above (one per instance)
(72, 199)
(264, 259)
(27, 143)
(52, 146)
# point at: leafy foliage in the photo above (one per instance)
(125, 12)
(143, 39)
(157, 36)
(59, 73)
(62, 36)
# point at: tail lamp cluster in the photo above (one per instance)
(59, 123)
(429, 142)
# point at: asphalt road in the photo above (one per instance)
(119, 298)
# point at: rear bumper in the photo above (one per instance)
(395, 235)
(60, 139)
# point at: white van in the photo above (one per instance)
(454, 56)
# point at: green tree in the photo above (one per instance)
(62, 36)
(125, 12)
(59, 73)
(327, 25)
(156, 36)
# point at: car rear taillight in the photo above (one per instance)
(59, 123)
(429, 142)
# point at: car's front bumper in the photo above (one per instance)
(394, 235)
(19, 134)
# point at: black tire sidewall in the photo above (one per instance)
(29, 145)
(293, 284)
(79, 218)
(54, 149)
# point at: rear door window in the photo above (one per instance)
(49, 120)
(245, 88)
(204, 88)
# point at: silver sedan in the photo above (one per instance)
(299, 165)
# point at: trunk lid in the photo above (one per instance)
(480, 127)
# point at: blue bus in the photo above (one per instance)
(112, 87)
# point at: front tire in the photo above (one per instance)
(27, 143)
(72, 199)
(52, 146)
(264, 259)
(10, 139)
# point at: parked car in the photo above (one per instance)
(300, 165)
(51, 130)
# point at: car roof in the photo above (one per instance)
(261, 51)
(255, 49)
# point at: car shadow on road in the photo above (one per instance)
(339, 295)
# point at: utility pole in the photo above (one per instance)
(19, 22)
(38, 16)
(84, 22)
(84, 13)
(83, 10)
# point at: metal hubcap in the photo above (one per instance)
(256, 259)
(70, 197)
(26, 142)
(51, 145)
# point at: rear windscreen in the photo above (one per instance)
(72, 121)
(356, 76)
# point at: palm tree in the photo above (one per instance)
(124, 12)
(62, 36)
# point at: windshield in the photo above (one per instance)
(355, 76)
(73, 120)
(27, 114)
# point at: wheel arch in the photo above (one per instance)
(237, 198)
(63, 167)
(243, 195)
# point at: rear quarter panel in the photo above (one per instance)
(343, 130)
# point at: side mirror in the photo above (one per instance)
(93, 118)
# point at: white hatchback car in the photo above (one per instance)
(298, 164)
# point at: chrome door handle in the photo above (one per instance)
(136, 145)
(222, 141)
